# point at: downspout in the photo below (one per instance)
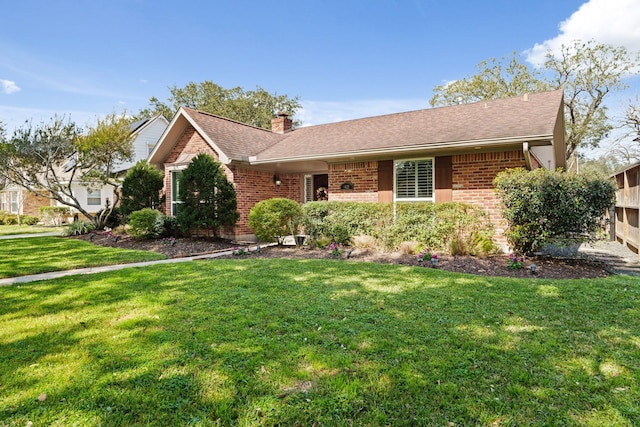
(527, 154)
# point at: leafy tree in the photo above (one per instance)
(47, 159)
(544, 206)
(208, 198)
(275, 218)
(603, 166)
(141, 188)
(254, 107)
(493, 80)
(586, 71)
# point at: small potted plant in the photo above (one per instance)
(434, 261)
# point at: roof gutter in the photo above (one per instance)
(481, 143)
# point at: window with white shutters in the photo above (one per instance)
(414, 180)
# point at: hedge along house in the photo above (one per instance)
(441, 154)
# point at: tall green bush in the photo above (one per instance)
(544, 206)
(141, 188)
(208, 198)
(275, 218)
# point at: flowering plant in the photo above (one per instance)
(424, 256)
(515, 263)
(336, 248)
(171, 241)
(115, 237)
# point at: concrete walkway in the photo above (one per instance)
(23, 236)
(619, 258)
(101, 269)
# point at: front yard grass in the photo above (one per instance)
(7, 230)
(32, 255)
(318, 342)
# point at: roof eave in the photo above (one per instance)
(457, 145)
(159, 153)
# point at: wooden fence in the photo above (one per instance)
(626, 215)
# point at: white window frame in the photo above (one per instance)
(414, 199)
(175, 180)
(14, 199)
(92, 197)
(3, 202)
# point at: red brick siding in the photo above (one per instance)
(190, 142)
(253, 186)
(363, 176)
(473, 176)
(32, 203)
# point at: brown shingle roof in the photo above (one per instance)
(236, 140)
(529, 116)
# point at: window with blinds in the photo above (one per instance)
(94, 197)
(414, 180)
(308, 188)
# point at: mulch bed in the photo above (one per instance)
(498, 265)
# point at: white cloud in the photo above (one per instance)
(613, 22)
(9, 86)
(321, 112)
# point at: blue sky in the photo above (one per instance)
(343, 58)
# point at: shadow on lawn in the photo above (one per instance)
(279, 342)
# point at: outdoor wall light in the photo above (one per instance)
(276, 180)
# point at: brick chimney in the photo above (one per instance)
(282, 123)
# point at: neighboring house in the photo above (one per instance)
(145, 135)
(16, 200)
(441, 154)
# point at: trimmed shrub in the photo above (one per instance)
(275, 218)
(456, 227)
(146, 222)
(77, 228)
(547, 207)
(341, 221)
(54, 215)
(10, 219)
(29, 220)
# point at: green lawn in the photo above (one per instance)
(318, 342)
(7, 230)
(23, 256)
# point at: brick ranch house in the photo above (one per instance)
(441, 154)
